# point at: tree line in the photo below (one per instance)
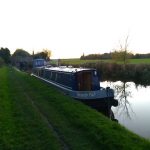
(114, 55)
(21, 58)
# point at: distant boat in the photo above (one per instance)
(79, 83)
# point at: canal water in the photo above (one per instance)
(133, 111)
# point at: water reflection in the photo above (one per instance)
(133, 110)
(123, 92)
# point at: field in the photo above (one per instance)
(139, 61)
(36, 116)
(78, 61)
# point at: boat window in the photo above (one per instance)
(63, 78)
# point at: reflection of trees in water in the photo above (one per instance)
(123, 92)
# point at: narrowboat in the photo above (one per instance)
(79, 83)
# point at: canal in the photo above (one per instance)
(133, 111)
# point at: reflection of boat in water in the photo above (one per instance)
(79, 83)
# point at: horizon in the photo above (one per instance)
(71, 28)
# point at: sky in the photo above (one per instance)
(70, 28)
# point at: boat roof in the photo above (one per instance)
(68, 69)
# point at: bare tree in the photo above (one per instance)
(122, 54)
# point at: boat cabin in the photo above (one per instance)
(39, 62)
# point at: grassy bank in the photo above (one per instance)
(35, 115)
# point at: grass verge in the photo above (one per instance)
(34, 115)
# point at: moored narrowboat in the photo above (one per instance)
(79, 83)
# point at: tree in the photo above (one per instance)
(122, 54)
(91, 57)
(96, 56)
(21, 59)
(45, 54)
(48, 53)
(5, 55)
(21, 53)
